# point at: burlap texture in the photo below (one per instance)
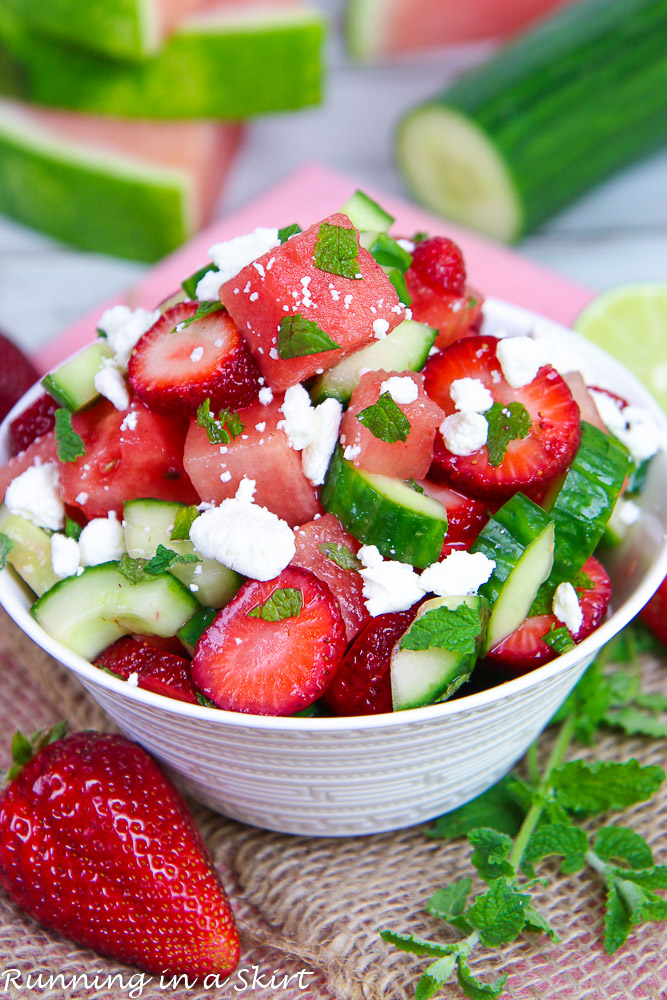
(315, 904)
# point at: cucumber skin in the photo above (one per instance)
(571, 102)
(375, 520)
(80, 370)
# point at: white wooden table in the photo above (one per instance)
(617, 234)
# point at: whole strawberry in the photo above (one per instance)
(97, 844)
(17, 374)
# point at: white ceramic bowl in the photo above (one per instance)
(375, 773)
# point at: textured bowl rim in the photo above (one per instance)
(13, 599)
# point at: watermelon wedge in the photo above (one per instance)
(375, 29)
(225, 61)
(135, 189)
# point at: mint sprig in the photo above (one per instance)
(185, 518)
(506, 423)
(287, 231)
(453, 629)
(219, 429)
(136, 570)
(340, 555)
(70, 444)
(299, 337)
(337, 251)
(559, 639)
(285, 602)
(189, 284)
(204, 309)
(385, 420)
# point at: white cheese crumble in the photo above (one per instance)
(123, 328)
(101, 540)
(34, 496)
(471, 395)
(133, 679)
(225, 476)
(81, 497)
(633, 425)
(265, 395)
(351, 451)
(197, 354)
(299, 417)
(64, 555)
(566, 607)
(458, 574)
(380, 328)
(232, 256)
(406, 245)
(110, 383)
(464, 433)
(129, 422)
(520, 360)
(244, 537)
(316, 456)
(401, 388)
(388, 585)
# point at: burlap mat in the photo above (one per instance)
(313, 906)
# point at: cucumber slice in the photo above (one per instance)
(72, 385)
(424, 676)
(365, 214)
(89, 612)
(148, 523)
(520, 539)
(403, 524)
(193, 629)
(405, 348)
(31, 552)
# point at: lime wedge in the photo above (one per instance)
(630, 323)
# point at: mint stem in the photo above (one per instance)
(597, 863)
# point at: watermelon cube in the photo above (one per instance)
(285, 282)
(260, 452)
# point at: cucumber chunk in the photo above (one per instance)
(31, 551)
(366, 214)
(148, 523)
(405, 348)
(192, 631)
(403, 524)
(73, 384)
(520, 539)
(424, 676)
(89, 612)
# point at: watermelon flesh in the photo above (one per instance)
(43, 449)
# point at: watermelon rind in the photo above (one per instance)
(228, 64)
(365, 27)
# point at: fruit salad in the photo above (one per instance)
(310, 482)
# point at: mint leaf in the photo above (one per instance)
(165, 558)
(474, 988)
(616, 920)
(340, 555)
(651, 878)
(536, 923)
(189, 285)
(416, 945)
(653, 700)
(620, 843)
(453, 629)
(636, 722)
(498, 808)
(559, 639)
(388, 253)
(132, 569)
(203, 310)
(629, 904)
(435, 977)
(72, 529)
(220, 429)
(185, 518)
(70, 445)
(491, 852)
(506, 423)
(498, 915)
(582, 581)
(299, 337)
(449, 903)
(385, 420)
(337, 251)
(602, 785)
(203, 700)
(415, 486)
(287, 231)
(398, 281)
(285, 602)
(560, 840)
(6, 546)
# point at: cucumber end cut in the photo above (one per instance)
(454, 169)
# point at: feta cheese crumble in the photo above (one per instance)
(389, 585)
(464, 433)
(566, 607)
(520, 360)
(299, 417)
(316, 456)
(265, 395)
(110, 383)
(232, 256)
(380, 328)
(101, 540)
(65, 556)
(197, 354)
(401, 388)
(129, 422)
(458, 574)
(123, 328)
(470, 395)
(34, 496)
(351, 451)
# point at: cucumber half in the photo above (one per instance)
(365, 214)
(31, 551)
(73, 383)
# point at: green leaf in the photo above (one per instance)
(398, 281)
(474, 988)
(340, 555)
(602, 785)
(415, 486)
(203, 700)
(337, 251)
(287, 231)
(453, 629)
(449, 903)
(299, 337)
(620, 843)
(220, 429)
(582, 581)
(492, 849)
(189, 285)
(416, 945)
(435, 977)
(388, 253)
(506, 423)
(650, 878)
(6, 546)
(559, 639)
(629, 904)
(185, 518)
(536, 923)
(497, 807)
(203, 310)
(498, 914)
(560, 840)
(72, 529)
(616, 920)
(70, 445)
(165, 558)
(133, 570)
(653, 700)
(385, 420)
(636, 722)
(285, 602)
(22, 750)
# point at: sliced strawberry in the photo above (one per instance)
(158, 670)
(529, 463)
(654, 614)
(17, 374)
(465, 517)
(321, 546)
(178, 369)
(38, 419)
(525, 649)
(438, 263)
(362, 683)
(246, 663)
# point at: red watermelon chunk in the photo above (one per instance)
(312, 542)
(42, 449)
(260, 452)
(286, 282)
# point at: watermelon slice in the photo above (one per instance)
(379, 28)
(129, 188)
(225, 61)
